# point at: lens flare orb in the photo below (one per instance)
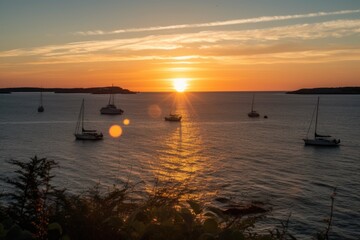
(115, 131)
(126, 121)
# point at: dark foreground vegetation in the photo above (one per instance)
(35, 209)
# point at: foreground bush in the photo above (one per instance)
(37, 210)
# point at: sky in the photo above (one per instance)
(213, 45)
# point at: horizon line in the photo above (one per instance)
(205, 91)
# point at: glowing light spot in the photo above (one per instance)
(115, 131)
(154, 111)
(180, 84)
(185, 57)
(126, 121)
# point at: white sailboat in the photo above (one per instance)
(41, 107)
(253, 113)
(84, 134)
(320, 140)
(111, 109)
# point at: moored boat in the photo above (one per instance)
(320, 140)
(111, 108)
(85, 134)
(253, 113)
(41, 107)
(173, 118)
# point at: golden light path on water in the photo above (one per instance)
(179, 161)
(180, 156)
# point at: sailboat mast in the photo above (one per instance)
(82, 115)
(111, 97)
(80, 119)
(252, 103)
(41, 98)
(317, 113)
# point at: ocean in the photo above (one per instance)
(217, 150)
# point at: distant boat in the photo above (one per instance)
(41, 107)
(320, 140)
(173, 118)
(111, 109)
(84, 134)
(253, 113)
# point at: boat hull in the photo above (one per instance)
(253, 114)
(322, 142)
(41, 109)
(88, 136)
(172, 119)
(111, 111)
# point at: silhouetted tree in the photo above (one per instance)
(29, 205)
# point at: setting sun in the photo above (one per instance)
(180, 84)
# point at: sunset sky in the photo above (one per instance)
(215, 45)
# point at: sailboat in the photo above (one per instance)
(111, 109)
(320, 140)
(173, 117)
(253, 113)
(84, 134)
(41, 107)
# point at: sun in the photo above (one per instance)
(180, 84)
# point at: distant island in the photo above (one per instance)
(338, 90)
(94, 90)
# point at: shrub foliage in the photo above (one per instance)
(35, 209)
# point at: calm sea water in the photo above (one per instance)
(216, 149)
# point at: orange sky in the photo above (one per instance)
(258, 53)
(200, 77)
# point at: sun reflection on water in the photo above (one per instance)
(180, 155)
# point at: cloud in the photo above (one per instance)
(292, 57)
(262, 46)
(199, 40)
(289, 57)
(218, 23)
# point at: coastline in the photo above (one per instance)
(93, 90)
(337, 90)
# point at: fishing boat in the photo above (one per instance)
(320, 140)
(111, 109)
(85, 134)
(253, 113)
(173, 118)
(41, 107)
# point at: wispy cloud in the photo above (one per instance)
(294, 57)
(291, 56)
(219, 23)
(296, 43)
(204, 41)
